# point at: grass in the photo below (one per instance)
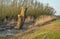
(49, 31)
(39, 36)
(54, 35)
(54, 31)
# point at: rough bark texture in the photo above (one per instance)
(21, 18)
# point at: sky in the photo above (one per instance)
(53, 3)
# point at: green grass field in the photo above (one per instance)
(49, 31)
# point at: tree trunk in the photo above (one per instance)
(21, 18)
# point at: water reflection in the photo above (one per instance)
(9, 32)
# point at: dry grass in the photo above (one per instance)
(49, 28)
(52, 27)
(43, 19)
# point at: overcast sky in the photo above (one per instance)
(54, 3)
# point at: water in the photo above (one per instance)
(9, 32)
(14, 31)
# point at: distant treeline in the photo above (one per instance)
(11, 8)
(58, 16)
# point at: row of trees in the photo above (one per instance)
(12, 8)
